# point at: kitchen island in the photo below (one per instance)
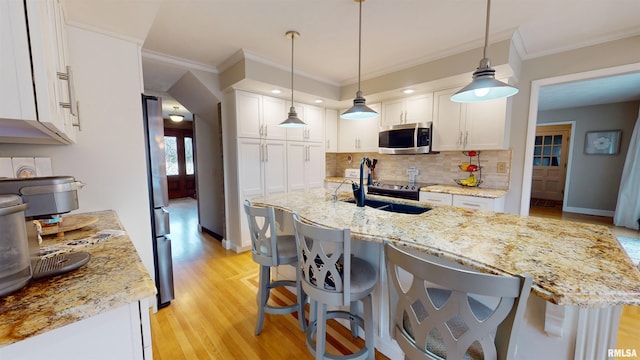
(99, 311)
(581, 275)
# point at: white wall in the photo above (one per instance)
(109, 156)
(595, 179)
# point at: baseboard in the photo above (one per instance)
(587, 211)
(210, 232)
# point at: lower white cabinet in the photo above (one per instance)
(463, 201)
(359, 135)
(305, 165)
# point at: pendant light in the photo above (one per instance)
(176, 117)
(292, 120)
(359, 110)
(484, 85)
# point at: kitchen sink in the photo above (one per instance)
(392, 207)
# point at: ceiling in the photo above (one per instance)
(396, 34)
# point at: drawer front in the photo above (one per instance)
(436, 198)
(472, 202)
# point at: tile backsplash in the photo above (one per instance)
(441, 168)
(22, 167)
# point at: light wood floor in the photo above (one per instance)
(213, 316)
(214, 313)
(629, 329)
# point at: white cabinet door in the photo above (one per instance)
(478, 126)
(447, 133)
(250, 159)
(392, 113)
(419, 109)
(16, 86)
(275, 166)
(296, 157)
(314, 117)
(359, 135)
(274, 111)
(298, 133)
(315, 166)
(331, 130)
(249, 114)
(486, 125)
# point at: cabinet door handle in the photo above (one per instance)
(77, 124)
(466, 137)
(72, 95)
(266, 130)
(266, 153)
(460, 138)
(471, 205)
(328, 146)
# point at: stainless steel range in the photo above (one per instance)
(407, 190)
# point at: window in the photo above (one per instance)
(171, 154)
(547, 150)
(188, 154)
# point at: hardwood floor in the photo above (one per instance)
(214, 313)
(629, 329)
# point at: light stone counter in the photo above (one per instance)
(113, 277)
(466, 190)
(571, 263)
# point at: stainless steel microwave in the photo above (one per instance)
(405, 139)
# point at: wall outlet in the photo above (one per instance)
(502, 167)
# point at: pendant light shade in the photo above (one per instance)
(359, 110)
(484, 85)
(292, 120)
(176, 117)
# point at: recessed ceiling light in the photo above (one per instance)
(319, 101)
(276, 91)
(408, 91)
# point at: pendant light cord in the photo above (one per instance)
(292, 39)
(486, 31)
(359, 43)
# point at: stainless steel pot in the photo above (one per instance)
(15, 261)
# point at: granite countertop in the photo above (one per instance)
(571, 263)
(113, 277)
(449, 189)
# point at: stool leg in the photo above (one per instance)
(353, 309)
(302, 299)
(321, 333)
(368, 327)
(263, 295)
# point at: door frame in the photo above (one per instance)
(536, 85)
(567, 176)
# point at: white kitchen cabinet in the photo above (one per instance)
(436, 198)
(313, 116)
(477, 126)
(258, 116)
(36, 81)
(359, 135)
(405, 111)
(305, 165)
(261, 167)
(464, 201)
(331, 130)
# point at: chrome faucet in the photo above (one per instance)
(335, 193)
(358, 190)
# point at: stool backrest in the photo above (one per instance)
(324, 256)
(262, 229)
(433, 316)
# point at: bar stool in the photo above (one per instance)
(270, 250)
(331, 275)
(433, 315)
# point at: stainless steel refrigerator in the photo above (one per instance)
(159, 196)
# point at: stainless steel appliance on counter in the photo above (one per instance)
(409, 191)
(21, 202)
(159, 198)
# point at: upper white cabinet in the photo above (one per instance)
(37, 63)
(258, 116)
(405, 111)
(313, 116)
(331, 130)
(477, 126)
(359, 135)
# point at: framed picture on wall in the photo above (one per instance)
(602, 142)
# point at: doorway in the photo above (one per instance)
(550, 157)
(180, 157)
